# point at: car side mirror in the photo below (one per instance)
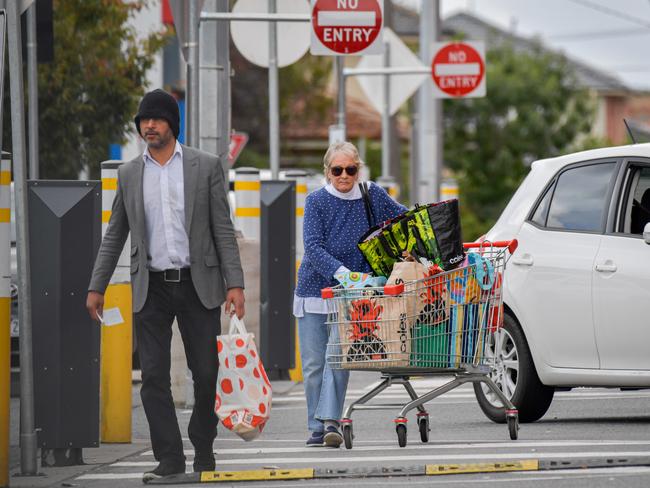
(646, 233)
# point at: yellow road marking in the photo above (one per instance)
(524, 465)
(257, 475)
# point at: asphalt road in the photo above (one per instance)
(596, 424)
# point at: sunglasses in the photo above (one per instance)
(338, 170)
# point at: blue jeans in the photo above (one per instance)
(324, 387)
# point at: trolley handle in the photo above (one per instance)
(391, 290)
(511, 245)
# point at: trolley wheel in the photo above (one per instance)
(347, 435)
(513, 425)
(423, 424)
(401, 434)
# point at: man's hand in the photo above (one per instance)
(235, 302)
(95, 304)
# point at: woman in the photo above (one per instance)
(335, 219)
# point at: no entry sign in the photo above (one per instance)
(342, 27)
(458, 69)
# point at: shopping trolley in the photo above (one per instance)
(444, 324)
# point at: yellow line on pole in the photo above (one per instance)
(5, 215)
(248, 185)
(109, 183)
(5, 382)
(295, 374)
(247, 212)
(106, 216)
(257, 475)
(5, 177)
(500, 467)
(300, 212)
(116, 368)
(301, 188)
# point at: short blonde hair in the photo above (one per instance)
(346, 148)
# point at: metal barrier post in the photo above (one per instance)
(5, 316)
(300, 177)
(448, 189)
(247, 198)
(117, 340)
(389, 184)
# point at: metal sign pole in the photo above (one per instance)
(32, 86)
(385, 117)
(274, 102)
(27, 432)
(192, 130)
(429, 111)
(339, 61)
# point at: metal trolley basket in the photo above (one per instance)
(443, 324)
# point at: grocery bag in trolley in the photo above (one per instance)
(371, 330)
(243, 399)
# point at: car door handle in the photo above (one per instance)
(606, 268)
(523, 260)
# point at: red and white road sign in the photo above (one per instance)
(458, 69)
(346, 27)
(237, 142)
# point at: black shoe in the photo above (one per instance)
(204, 462)
(162, 470)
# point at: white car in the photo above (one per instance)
(577, 288)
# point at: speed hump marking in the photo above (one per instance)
(458, 69)
(341, 27)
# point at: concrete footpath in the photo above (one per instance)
(95, 458)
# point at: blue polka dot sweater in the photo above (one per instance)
(332, 228)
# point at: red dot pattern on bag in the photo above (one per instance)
(252, 353)
(240, 361)
(226, 363)
(256, 373)
(264, 390)
(241, 384)
(239, 343)
(266, 379)
(219, 346)
(226, 386)
(262, 408)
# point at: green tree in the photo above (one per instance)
(89, 93)
(534, 109)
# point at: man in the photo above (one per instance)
(184, 264)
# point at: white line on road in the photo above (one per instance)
(421, 447)
(424, 458)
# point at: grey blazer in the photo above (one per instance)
(214, 256)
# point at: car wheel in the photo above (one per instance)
(515, 375)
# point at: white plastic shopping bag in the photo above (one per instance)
(243, 402)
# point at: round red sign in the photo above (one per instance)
(346, 26)
(457, 69)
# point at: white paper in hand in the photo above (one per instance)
(112, 316)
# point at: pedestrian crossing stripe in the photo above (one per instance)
(523, 465)
(257, 475)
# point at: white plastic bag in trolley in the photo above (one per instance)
(243, 400)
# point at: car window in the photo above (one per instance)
(580, 198)
(539, 217)
(636, 213)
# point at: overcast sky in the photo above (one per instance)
(611, 35)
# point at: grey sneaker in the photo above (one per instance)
(332, 437)
(162, 470)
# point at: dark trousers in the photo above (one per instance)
(199, 328)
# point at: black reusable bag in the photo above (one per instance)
(445, 221)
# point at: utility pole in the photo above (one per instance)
(429, 111)
(192, 94)
(223, 90)
(28, 446)
(32, 87)
(274, 99)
